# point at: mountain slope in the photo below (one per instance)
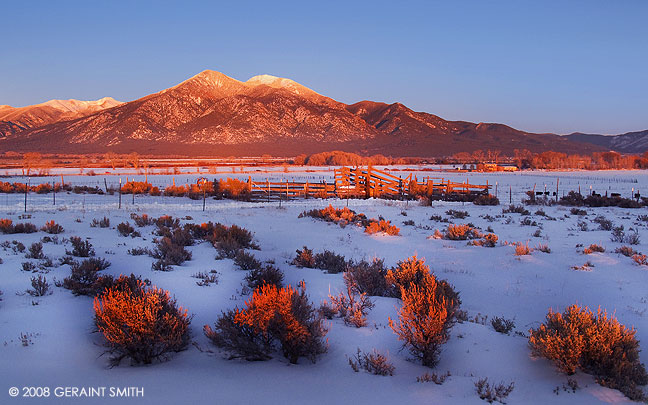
(213, 114)
(428, 134)
(17, 119)
(630, 142)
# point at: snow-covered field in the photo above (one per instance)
(63, 351)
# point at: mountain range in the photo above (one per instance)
(213, 114)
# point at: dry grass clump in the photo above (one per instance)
(626, 251)
(304, 258)
(340, 216)
(488, 240)
(246, 261)
(619, 235)
(352, 306)
(374, 363)
(493, 392)
(593, 248)
(438, 379)
(345, 216)
(640, 259)
(522, 249)
(169, 253)
(587, 266)
(84, 277)
(40, 287)
(125, 229)
(142, 220)
(594, 343)
(267, 275)
(100, 223)
(515, 209)
(457, 214)
(486, 199)
(80, 248)
(327, 260)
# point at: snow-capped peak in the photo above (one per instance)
(73, 105)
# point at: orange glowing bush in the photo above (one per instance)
(640, 259)
(176, 191)
(414, 271)
(141, 323)
(462, 232)
(522, 249)
(52, 227)
(6, 225)
(280, 317)
(382, 226)
(595, 343)
(488, 240)
(340, 216)
(593, 248)
(425, 319)
(43, 188)
(234, 188)
(136, 187)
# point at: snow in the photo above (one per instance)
(80, 105)
(492, 281)
(265, 79)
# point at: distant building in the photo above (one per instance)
(505, 167)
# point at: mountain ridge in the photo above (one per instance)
(213, 113)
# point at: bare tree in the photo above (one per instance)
(111, 158)
(133, 159)
(31, 160)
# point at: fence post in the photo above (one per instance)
(268, 181)
(54, 191)
(26, 190)
(120, 190)
(510, 195)
(557, 182)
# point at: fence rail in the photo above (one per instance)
(366, 182)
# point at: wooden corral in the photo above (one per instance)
(366, 182)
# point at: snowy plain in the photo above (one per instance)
(64, 351)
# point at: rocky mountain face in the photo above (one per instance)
(18, 119)
(630, 142)
(213, 114)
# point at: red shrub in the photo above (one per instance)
(596, 343)
(382, 226)
(281, 315)
(143, 324)
(425, 319)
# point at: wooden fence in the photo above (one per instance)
(365, 183)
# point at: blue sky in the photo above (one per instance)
(541, 66)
